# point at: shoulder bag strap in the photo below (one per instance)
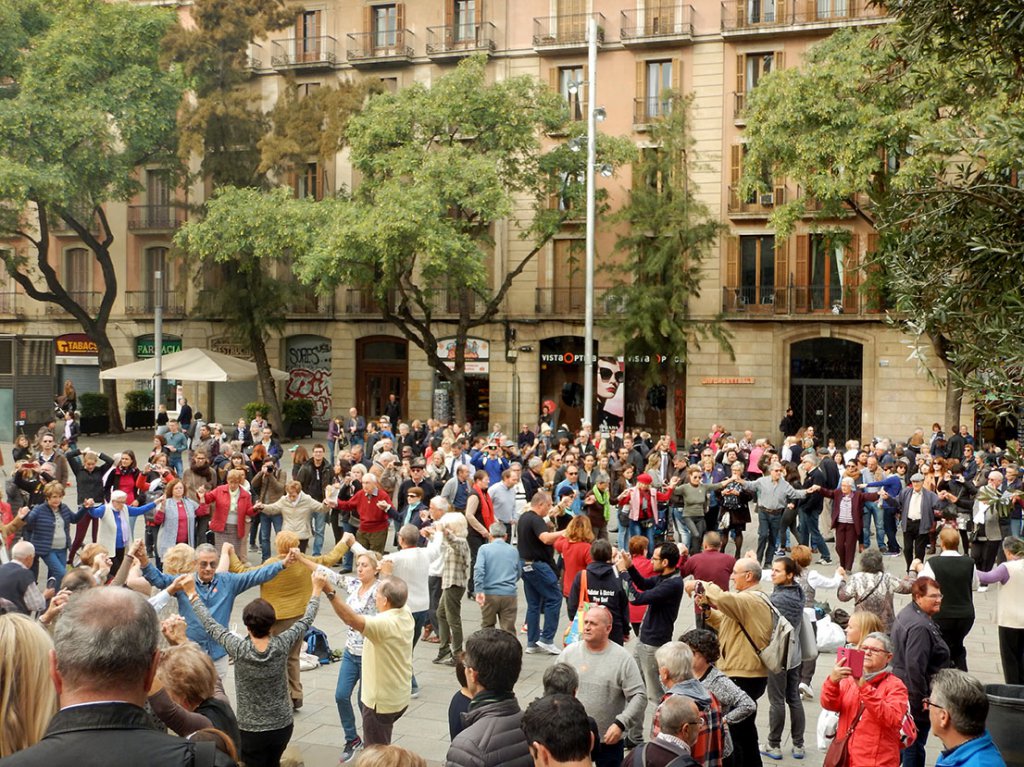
(584, 596)
(204, 753)
(881, 577)
(744, 630)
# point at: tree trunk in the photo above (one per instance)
(107, 361)
(671, 376)
(268, 390)
(458, 392)
(954, 401)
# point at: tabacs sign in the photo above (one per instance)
(76, 345)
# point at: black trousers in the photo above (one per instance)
(475, 541)
(264, 749)
(1011, 652)
(954, 631)
(914, 544)
(434, 589)
(745, 748)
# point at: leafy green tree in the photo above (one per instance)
(254, 235)
(440, 167)
(916, 128)
(670, 233)
(85, 102)
(243, 149)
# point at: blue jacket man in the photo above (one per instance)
(216, 590)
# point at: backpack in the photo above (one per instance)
(908, 730)
(775, 654)
(317, 645)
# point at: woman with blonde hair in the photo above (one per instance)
(454, 575)
(390, 756)
(28, 699)
(574, 547)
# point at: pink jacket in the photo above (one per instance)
(876, 741)
(634, 502)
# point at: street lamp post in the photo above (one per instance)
(158, 335)
(588, 316)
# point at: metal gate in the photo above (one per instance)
(832, 406)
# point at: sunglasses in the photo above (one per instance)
(607, 373)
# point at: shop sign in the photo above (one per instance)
(478, 354)
(230, 347)
(726, 381)
(145, 346)
(76, 345)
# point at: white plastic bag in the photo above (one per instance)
(828, 723)
(830, 636)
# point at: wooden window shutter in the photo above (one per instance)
(553, 79)
(478, 15)
(873, 301)
(779, 191)
(851, 265)
(449, 13)
(641, 79)
(778, 61)
(780, 12)
(677, 75)
(583, 94)
(400, 41)
(801, 271)
(732, 262)
(810, 10)
(741, 74)
(318, 24)
(781, 275)
(299, 26)
(368, 22)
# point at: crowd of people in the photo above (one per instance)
(427, 517)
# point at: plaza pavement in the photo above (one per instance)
(424, 727)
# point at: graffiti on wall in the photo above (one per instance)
(308, 361)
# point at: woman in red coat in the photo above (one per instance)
(575, 551)
(230, 505)
(878, 698)
(848, 518)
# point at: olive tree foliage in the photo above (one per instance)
(84, 102)
(670, 233)
(441, 167)
(243, 150)
(917, 128)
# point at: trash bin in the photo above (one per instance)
(1006, 721)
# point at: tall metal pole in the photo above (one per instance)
(588, 317)
(158, 334)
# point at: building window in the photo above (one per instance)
(757, 269)
(307, 184)
(757, 66)
(464, 20)
(310, 35)
(389, 84)
(659, 82)
(385, 26)
(761, 11)
(570, 79)
(77, 269)
(307, 89)
(827, 272)
(833, 9)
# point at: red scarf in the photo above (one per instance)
(486, 508)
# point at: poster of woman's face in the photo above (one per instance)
(610, 392)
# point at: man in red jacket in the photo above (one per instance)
(373, 508)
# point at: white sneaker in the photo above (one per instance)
(549, 648)
(982, 588)
(806, 691)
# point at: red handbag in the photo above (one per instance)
(838, 751)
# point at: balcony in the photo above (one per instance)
(565, 34)
(649, 109)
(754, 18)
(154, 218)
(455, 41)
(304, 53)
(572, 302)
(382, 48)
(209, 303)
(759, 205)
(8, 302)
(254, 58)
(89, 300)
(445, 301)
(820, 301)
(141, 303)
(61, 228)
(657, 26)
(312, 304)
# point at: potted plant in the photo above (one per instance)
(253, 409)
(138, 407)
(95, 410)
(298, 418)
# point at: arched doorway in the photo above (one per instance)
(826, 386)
(382, 365)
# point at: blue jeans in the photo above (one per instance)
(56, 564)
(1015, 527)
(635, 528)
(768, 528)
(174, 461)
(873, 511)
(810, 535)
(319, 521)
(351, 671)
(346, 562)
(542, 595)
(623, 536)
(266, 522)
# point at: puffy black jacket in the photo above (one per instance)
(87, 736)
(492, 738)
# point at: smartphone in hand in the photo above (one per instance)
(852, 657)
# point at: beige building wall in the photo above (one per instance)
(705, 39)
